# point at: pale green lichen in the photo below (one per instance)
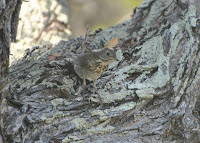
(193, 22)
(57, 101)
(103, 114)
(191, 11)
(49, 120)
(80, 123)
(114, 111)
(37, 71)
(119, 57)
(177, 98)
(109, 98)
(48, 84)
(105, 118)
(124, 107)
(25, 84)
(68, 84)
(177, 34)
(43, 117)
(99, 113)
(114, 85)
(100, 128)
(146, 93)
(71, 138)
(151, 52)
(113, 64)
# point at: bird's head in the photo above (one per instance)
(107, 55)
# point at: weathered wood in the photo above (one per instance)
(9, 14)
(150, 95)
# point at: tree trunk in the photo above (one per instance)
(150, 95)
(9, 15)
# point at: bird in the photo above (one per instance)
(90, 66)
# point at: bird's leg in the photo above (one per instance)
(84, 85)
(94, 86)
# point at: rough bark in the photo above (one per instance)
(150, 95)
(9, 14)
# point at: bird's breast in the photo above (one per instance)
(99, 67)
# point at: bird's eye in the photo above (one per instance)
(108, 53)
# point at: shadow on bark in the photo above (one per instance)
(150, 95)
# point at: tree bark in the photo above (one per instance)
(9, 14)
(150, 95)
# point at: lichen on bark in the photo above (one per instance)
(150, 95)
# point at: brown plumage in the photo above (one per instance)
(91, 65)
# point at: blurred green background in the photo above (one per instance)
(99, 13)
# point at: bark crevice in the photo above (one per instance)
(150, 95)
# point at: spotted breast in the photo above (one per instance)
(97, 69)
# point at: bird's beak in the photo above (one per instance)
(115, 59)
